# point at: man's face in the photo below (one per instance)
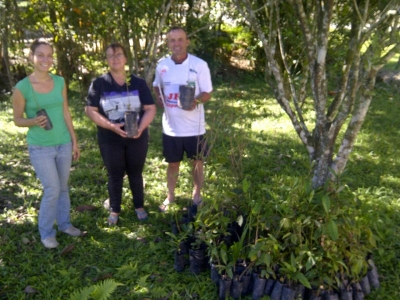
(177, 42)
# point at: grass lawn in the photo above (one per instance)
(251, 138)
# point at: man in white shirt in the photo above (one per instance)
(183, 128)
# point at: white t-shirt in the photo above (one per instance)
(176, 121)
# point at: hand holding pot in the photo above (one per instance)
(138, 134)
(40, 121)
(117, 128)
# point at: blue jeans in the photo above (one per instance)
(52, 166)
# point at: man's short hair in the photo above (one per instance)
(173, 28)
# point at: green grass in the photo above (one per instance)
(251, 137)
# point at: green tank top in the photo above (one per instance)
(53, 103)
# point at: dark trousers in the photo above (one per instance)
(125, 156)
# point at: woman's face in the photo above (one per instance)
(116, 59)
(42, 58)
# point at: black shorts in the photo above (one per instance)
(195, 147)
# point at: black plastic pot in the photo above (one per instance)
(253, 275)
(313, 294)
(174, 228)
(269, 285)
(344, 284)
(184, 247)
(224, 287)
(186, 219)
(186, 96)
(277, 291)
(197, 260)
(240, 267)
(236, 288)
(288, 293)
(358, 295)
(131, 123)
(258, 287)
(246, 284)
(346, 294)
(300, 292)
(180, 261)
(214, 274)
(357, 291)
(365, 287)
(372, 274)
(373, 278)
(330, 296)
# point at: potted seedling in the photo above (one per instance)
(241, 277)
(292, 273)
(131, 115)
(180, 249)
(197, 246)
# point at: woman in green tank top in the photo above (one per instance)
(40, 103)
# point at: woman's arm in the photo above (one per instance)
(18, 102)
(147, 118)
(68, 120)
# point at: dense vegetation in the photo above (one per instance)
(255, 157)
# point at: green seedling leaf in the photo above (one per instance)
(289, 267)
(230, 272)
(333, 230)
(268, 259)
(245, 185)
(341, 188)
(293, 261)
(326, 202)
(343, 265)
(285, 223)
(256, 208)
(304, 281)
(310, 263)
(311, 197)
(224, 256)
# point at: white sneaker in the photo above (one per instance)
(50, 242)
(73, 231)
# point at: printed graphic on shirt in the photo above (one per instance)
(116, 104)
(192, 78)
(171, 93)
(163, 72)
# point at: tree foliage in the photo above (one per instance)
(331, 50)
(81, 30)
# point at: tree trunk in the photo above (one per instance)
(4, 57)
